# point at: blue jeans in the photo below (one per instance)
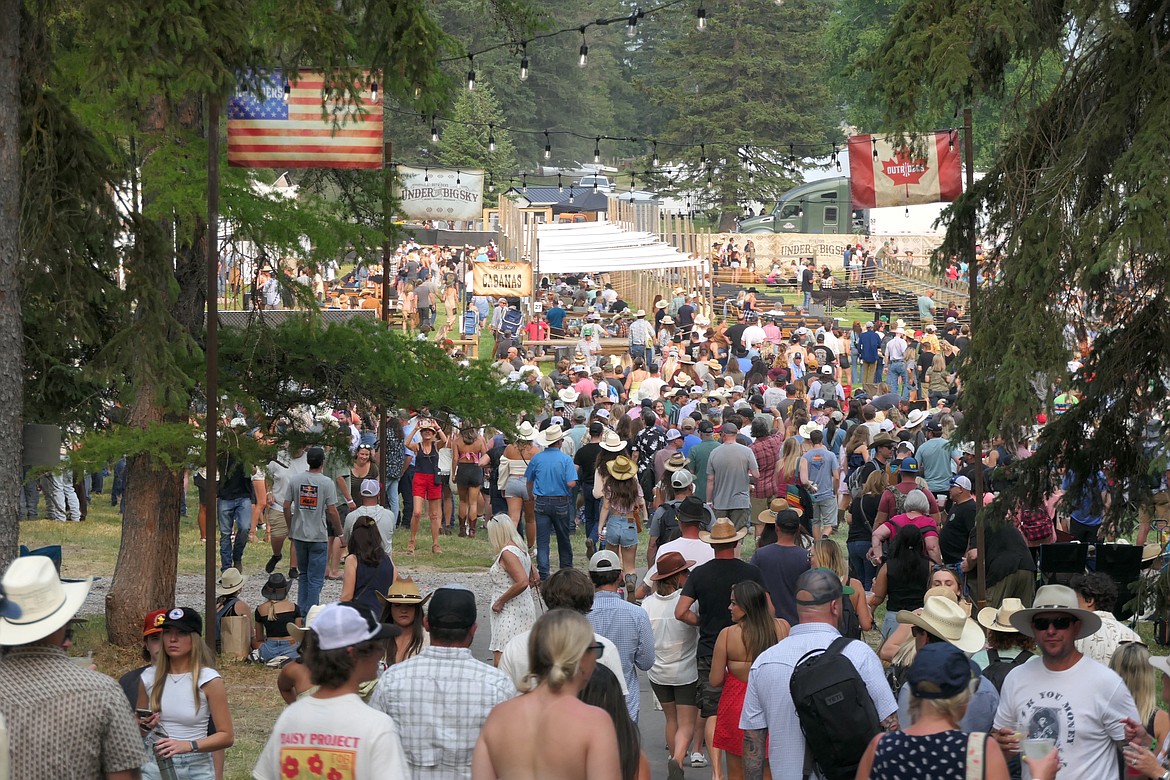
(859, 565)
(807, 301)
(311, 558)
(899, 377)
(392, 497)
(233, 513)
(188, 766)
(646, 353)
(592, 510)
(273, 648)
(552, 514)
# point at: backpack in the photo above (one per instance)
(668, 531)
(855, 482)
(850, 623)
(998, 668)
(835, 711)
(1035, 524)
(828, 390)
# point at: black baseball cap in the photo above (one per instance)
(452, 606)
(184, 619)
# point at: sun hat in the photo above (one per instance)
(667, 320)
(1151, 551)
(297, 633)
(1056, 598)
(669, 564)
(44, 603)
(967, 448)
(184, 619)
(915, 418)
(682, 479)
(722, 532)
(806, 430)
(525, 431)
(939, 671)
(621, 468)
(348, 624)
(153, 623)
(404, 591)
(568, 395)
(883, 439)
(605, 560)
(640, 313)
(452, 606)
(676, 462)
(1000, 619)
(948, 621)
(611, 442)
(822, 586)
(943, 591)
(276, 587)
(371, 488)
(775, 507)
(230, 581)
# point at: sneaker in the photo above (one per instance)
(271, 565)
(698, 760)
(293, 573)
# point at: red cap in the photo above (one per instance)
(153, 623)
(1041, 419)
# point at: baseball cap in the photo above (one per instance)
(370, 487)
(908, 466)
(939, 671)
(348, 624)
(153, 624)
(580, 414)
(674, 434)
(696, 391)
(185, 619)
(728, 429)
(452, 606)
(688, 423)
(682, 479)
(705, 426)
(820, 586)
(602, 413)
(826, 370)
(962, 482)
(605, 560)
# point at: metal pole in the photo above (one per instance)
(387, 251)
(211, 423)
(972, 275)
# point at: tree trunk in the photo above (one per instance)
(11, 323)
(145, 575)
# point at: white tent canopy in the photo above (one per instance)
(602, 246)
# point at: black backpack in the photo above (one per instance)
(668, 529)
(850, 623)
(998, 668)
(835, 711)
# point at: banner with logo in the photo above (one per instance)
(502, 279)
(881, 175)
(825, 247)
(438, 193)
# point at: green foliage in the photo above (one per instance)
(467, 145)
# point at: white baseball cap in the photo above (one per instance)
(344, 625)
(370, 487)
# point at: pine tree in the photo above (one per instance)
(477, 125)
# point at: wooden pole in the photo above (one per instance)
(973, 286)
(211, 422)
(387, 253)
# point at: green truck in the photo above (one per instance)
(817, 207)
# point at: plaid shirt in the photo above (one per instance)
(440, 700)
(628, 627)
(767, 452)
(64, 721)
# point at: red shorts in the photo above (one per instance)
(424, 487)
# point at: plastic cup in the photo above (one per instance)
(1037, 749)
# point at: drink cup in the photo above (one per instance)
(1037, 749)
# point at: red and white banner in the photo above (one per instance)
(880, 175)
(268, 128)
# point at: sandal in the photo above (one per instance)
(436, 549)
(410, 549)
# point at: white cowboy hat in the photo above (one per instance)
(640, 313)
(525, 431)
(915, 418)
(667, 320)
(568, 395)
(46, 603)
(230, 581)
(808, 428)
(611, 442)
(1000, 619)
(660, 305)
(949, 621)
(551, 435)
(1056, 598)
(297, 633)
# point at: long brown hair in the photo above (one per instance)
(758, 627)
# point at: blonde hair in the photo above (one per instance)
(789, 463)
(558, 641)
(952, 709)
(502, 533)
(939, 363)
(1131, 661)
(200, 658)
(876, 482)
(826, 553)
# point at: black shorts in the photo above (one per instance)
(469, 475)
(686, 695)
(708, 697)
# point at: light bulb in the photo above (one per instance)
(491, 185)
(417, 92)
(654, 162)
(752, 177)
(524, 69)
(547, 146)
(374, 92)
(471, 80)
(434, 130)
(597, 150)
(583, 59)
(701, 16)
(287, 90)
(560, 185)
(491, 139)
(632, 26)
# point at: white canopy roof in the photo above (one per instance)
(603, 246)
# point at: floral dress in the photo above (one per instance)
(519, 613)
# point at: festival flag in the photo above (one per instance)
(267, 129)
(881, 175)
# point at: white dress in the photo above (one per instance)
(519, 613)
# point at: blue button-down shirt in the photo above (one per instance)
(551, 473)
(628, 627)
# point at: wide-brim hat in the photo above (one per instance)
(669, 564)
(403, 591)
(915, 418)
(525, 431)
(775, 507)
(883, 439)
(611, 442)
(277, 584)
(46, 603)
(568, 395)
(297, 633)
(1000, 619)
(621, 468)
(1161, 663)
(948, 621)
(640, 313)
(722, 532)
(660, 305)
(667, 320)
(551, 435)
(1056, 598)
(230, 581)
(1150, 552)
(806, 429)
(676, 462)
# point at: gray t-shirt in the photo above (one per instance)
(822, 465)
(310, 493)
(730, 464)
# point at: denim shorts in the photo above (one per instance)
(188, 766)
(516, 487)
(621, 532)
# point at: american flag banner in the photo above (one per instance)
(269, 129)
(882, 175)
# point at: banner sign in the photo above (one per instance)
(269, 129)
(503, 280)
(880, 175)
(826, 248)
(437, 193)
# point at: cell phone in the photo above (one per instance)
(143, 713)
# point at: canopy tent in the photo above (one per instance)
(602, 246)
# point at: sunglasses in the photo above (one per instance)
(597, 648)
(1060, 623)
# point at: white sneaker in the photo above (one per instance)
(698, 760)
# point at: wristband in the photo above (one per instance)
(194, 746)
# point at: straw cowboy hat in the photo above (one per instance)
(1056, 598)
(552, 434)
(611, 442)
(660, 305)
(621, 468)
(403, 591)
(640, 313)
(722, 532)
(525, 431)
(915, 418)
(45, 602)
(949, 621)
(667, 320)
(230, 581)
(568, 395)
(676, 462)
(297, 633)
(775, 507)
(1000, 619)
(1150, 552)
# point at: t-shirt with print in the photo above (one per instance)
(339, 737)
(310, 494)
(710, 586)
(1080, 708)
(822, 465)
